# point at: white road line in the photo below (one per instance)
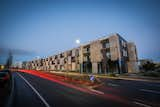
(96, 91)
(141, 104)
(42, 99)
(151, 91)
(114, 85)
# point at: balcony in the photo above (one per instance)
(86, 59)
(86, 51)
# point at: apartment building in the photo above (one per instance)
(111, 54)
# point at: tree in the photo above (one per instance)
(148, 66)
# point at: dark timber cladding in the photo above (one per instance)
(111, 54)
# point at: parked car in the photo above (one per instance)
(5, 77)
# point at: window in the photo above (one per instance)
(124, 52)
(88, 49)
(107, 45)
(61, 56)
(77, 53)
(58, 61)
(108, 54)
(124, 44)
(73, 59)
(53, 63)
(56, 57)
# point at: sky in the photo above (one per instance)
(40, 28)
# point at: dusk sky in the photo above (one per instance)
(42, 28)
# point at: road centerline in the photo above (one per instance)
(151, 91)
(141, 104)
(113, 84)
(37, 93)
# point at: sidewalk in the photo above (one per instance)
(103, 76)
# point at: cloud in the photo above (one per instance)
(19, 52)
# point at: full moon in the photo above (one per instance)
(77, 41)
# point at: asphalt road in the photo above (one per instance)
(142, 93)
(34, 91)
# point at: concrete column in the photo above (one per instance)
(81, 58)
(81, 68)
(100, 68)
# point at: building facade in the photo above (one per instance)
(111, 54)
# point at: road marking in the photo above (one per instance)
(153, 85)
(96, 91)
(141, 104)
(151, 91)
(42, 99)
(114, 85)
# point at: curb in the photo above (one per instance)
(139, 79)
(9, 101)
(131, 79)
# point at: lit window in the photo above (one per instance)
(108, 54)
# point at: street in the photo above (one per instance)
(34, 91)
(139, 92)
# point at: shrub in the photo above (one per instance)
(149, 66)
(112, 75)
(151, 74)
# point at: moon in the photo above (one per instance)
(77, 41)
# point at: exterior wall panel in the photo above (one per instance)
(95, 51)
